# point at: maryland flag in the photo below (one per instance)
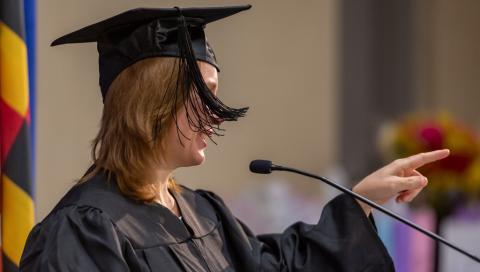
(16, 184)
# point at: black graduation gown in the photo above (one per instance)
(95, 228)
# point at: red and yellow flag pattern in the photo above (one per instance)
(16, 188)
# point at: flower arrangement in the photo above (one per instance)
(452, 181)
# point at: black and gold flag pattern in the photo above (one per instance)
(17, 209)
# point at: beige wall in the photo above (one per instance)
(279, 59)
(449, 57)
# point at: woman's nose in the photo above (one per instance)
(216, 120)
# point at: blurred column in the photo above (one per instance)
(376, 76)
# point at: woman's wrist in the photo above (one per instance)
(366, 208)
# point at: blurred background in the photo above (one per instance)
(337, 87)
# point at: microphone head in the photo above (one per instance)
(261, 166)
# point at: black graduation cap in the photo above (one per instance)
(142, 33)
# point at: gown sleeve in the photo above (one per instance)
(344, 239)
(74, 239)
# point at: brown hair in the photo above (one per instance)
(139, 107)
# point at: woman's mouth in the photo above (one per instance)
(203, 141)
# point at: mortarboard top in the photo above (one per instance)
(146, 32)
(141, 33)
(141, 16)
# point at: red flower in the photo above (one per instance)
(432, 137)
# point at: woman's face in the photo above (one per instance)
(189, 149)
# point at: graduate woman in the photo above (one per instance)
(158, 77)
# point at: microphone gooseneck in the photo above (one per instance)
(266, 167)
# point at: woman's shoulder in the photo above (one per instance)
(99, 193)
(97, 202)
(67, 232)
(69, 219)
(95, 192)
(81, 209)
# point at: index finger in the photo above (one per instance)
(418, 160)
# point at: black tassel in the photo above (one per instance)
(205, 111)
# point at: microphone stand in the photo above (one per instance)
(372, 204)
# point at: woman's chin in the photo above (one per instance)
(192, 159)
(199, 158)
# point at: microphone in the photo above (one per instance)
(261, 166)
(266, 167)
